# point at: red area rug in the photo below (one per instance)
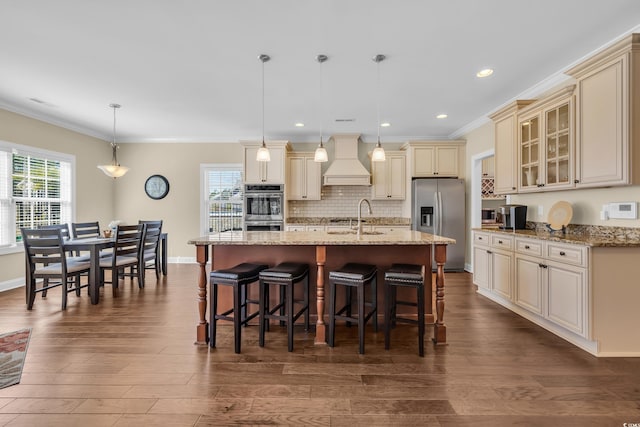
(13, 350)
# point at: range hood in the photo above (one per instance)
(346, 169)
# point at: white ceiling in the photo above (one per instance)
(188, 70)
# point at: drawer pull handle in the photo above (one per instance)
(527, 247)
(489, 252)
(562, 253)
(479, 238)
(500, 241)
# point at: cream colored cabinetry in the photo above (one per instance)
(295, 228)
(389, 177)
(493, 259)
(272, 172)
(436, 158)
(608, 116)
(303, 177)
(506, 147)
(488, 167)
(546, 155)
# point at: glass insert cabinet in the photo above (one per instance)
(546, 145)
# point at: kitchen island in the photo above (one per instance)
(327, 251)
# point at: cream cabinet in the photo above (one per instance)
(488, 167)
(389, 177)
(493, 260)
(303, 177)
(436, 158)
(608, 116)
(506, 147)
(272, 172)
(545, 143)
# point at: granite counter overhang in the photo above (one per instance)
(591, 240)
(320, 238)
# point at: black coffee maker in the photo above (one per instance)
(512, 217)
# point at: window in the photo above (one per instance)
(223, 198)
(35, 189)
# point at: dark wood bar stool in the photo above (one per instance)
(353, 275)
(285, 275)
(406, 275)
(238, 277)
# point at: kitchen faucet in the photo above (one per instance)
(360, 213)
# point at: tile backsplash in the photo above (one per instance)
(342, 201)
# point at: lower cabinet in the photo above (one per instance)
(566, 300)
(493, 265)
(528, 283)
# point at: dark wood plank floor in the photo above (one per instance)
(131, 361)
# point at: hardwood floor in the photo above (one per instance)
(130, 361)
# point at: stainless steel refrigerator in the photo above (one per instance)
(438, 207)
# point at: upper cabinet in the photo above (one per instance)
(488, 167)
(545, 143)
(506, 148)
(608, 116)
(271, 172)
(303, 177)
(389, 177)
(436, 159)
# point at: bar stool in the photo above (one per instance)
(239, 277)
(407, 275)
(353, 275)
(285, 275)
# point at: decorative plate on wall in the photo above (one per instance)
(560, 215)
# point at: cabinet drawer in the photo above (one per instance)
(570, 254)
(480, 238)
(529, 247)
(315, 227)
(500, 241)
(296, 228)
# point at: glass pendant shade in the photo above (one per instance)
(378, 153)
(263, 153)
(114, 170)
(320, 154)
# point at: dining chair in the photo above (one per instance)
(126, 253)
(64, 231)
(151, 250)
(46, 259)
(85, 230)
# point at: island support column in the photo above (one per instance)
(321, 259)
(439, 328)
(202, 330)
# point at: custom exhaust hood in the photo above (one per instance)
(346, 168)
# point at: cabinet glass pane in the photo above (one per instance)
(551, 122)
(534, 152)
(551, 147)
(534, 128)
(551, 172)
(525, 131)
(563, 170)
(563, 144)
(525, 155)
(563, 117)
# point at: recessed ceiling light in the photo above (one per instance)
(484, 73)
(385, 124)
(299, 125)
(441, 116)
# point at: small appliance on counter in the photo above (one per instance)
(488, 216)
(512, 217)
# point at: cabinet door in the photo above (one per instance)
(602, 137)
(488, 167)
(447, 161)
(379, 180)
(528, 283)
(389, 178)
(505, 156)
(530, 176)
(424, 161)
(275, 168)
(296, 179)
(254, 171)
(313, 178)
(558, 146)
(501, 273)
(566, 297)
(481, 267)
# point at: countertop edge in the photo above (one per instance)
(584, 240)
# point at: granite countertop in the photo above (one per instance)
(397, 237)
(345, 220)
(586, 239)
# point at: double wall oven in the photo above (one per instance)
(263, 207)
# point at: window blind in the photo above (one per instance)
(224, 198)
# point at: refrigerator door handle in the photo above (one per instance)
(438, 222)
(441, 220)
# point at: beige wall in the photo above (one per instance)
(94, 191)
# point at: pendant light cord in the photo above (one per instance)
(263, 102)
(378, 122)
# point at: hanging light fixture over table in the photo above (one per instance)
(263, 152)
(114, 170)
(378, 152)
(321, 152)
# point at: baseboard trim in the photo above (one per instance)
(11, 284)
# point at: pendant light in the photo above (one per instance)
(321, 152)
(114, 170)
(263, 152)
(378, 152)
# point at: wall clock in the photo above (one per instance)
(156, 187)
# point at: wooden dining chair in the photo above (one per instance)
(151, 250)
(85, 230)
(76, 257)
(47, 260)
(126, 253)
